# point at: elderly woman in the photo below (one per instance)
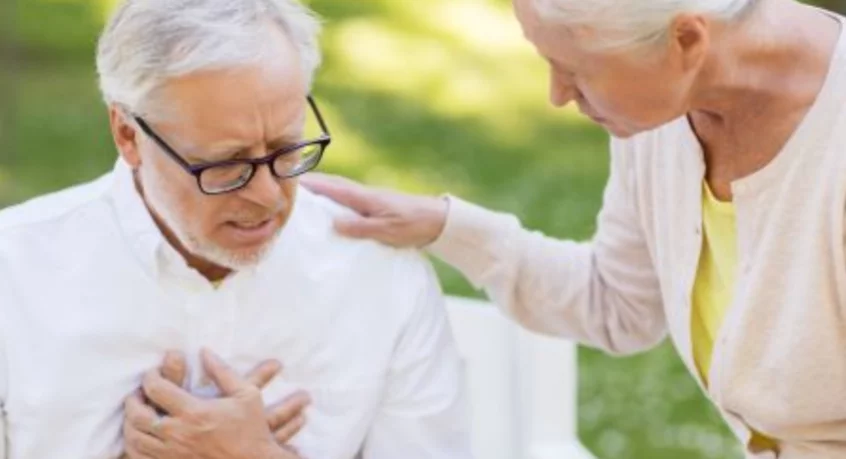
(723, 217)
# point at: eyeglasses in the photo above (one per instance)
(221, 177)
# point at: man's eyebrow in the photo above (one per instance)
(220, 152)
(284, 140)
(225, 151)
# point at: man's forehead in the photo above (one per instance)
(269, 86)
(210, 129)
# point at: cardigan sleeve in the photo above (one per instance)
(603, 293)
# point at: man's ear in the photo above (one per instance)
(125, 135)
(690, 38)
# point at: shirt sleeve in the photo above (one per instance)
(603, 293)
(424, 413)
(4, 377)
(2, 411)
(3, 391)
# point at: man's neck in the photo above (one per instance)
(211, 271)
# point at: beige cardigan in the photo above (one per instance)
(780, 358)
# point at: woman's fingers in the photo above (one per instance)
(392, 218)
(343, 191)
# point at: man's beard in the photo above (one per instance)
(171, 214)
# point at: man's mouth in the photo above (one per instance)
(249, 225)
(252, 232)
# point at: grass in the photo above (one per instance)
(432, 96)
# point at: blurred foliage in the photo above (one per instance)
(833, 5)
(427, 96)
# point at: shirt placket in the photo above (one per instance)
(214, 311)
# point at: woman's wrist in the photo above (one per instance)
(435, 214)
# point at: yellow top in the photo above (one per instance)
(714, 287)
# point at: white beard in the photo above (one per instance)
(172, 215)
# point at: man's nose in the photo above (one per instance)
(264, 189)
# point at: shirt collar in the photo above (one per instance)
(142, 235)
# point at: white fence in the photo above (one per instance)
(522, 386)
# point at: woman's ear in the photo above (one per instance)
(690, 39)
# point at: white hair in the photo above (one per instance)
(147, 42)
(631, 23)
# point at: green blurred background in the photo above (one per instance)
(423, 95)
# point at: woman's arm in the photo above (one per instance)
(603, 293)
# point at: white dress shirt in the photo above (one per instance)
(91, 297)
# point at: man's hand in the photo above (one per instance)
(285, 418)
(231, 427)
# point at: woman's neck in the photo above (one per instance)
(760, 82)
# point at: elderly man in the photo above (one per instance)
(199, 246)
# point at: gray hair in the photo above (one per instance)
(147, 42)
(632, 23)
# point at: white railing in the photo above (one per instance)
(522, 386)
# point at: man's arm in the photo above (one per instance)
(3, 391)
(424, 412)
(4, 368)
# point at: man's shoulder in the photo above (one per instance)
(315, 216)
(405, 271)
(46, 218)
(54, 206)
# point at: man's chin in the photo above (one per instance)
(234, 258)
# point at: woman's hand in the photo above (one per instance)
(396, 219)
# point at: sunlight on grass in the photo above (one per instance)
(351, 154)
(486, 27)
(374, 55)
(105, 7)
(476, 63)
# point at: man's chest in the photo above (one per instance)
(68, 378)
